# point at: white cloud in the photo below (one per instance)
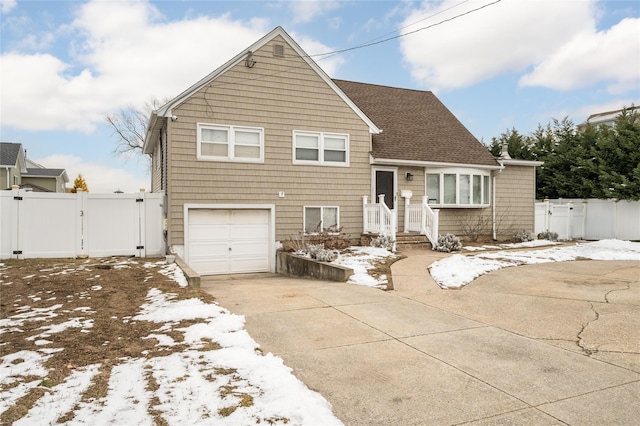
(305, 11)
(7, 5)
(124, 53)
(612, 56)
(118, 63)
(512, 37)
(100, 178)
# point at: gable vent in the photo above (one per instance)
(278, 50)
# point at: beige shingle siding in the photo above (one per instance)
(279, 95)
(515, 198)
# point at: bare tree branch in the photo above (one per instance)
(129, 126)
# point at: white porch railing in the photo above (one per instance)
(378, 218)
(421, 218)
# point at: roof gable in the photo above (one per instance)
(167, 109)
(11, 154)
(417, 127)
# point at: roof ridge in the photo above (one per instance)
(383, 85)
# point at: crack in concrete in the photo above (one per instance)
(606, 295)
(584, 349)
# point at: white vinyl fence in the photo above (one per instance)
(41, 224)
(590, 219)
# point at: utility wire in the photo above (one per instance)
(373, 43)
(368, 44)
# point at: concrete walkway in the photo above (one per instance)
(546, 344)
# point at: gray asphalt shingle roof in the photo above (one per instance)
(416, 126)
(32, 172)
(9, 153)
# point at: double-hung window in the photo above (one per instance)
(320, 218)
(458, 188)
(329, 149)
(230, 143)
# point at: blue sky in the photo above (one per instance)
(496, 65)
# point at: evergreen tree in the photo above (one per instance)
(79, 183)
(587, 162)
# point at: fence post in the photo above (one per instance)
(547, 219)
(142, 236)
(570, 221)
(81, 223)
(584, 219)
(17, 195)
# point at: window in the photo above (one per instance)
(320, 148)
(463, 189)
(318, 219)
(230, 143)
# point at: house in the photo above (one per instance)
(12, 164)
(607, 118)
(25, 173)
(43, 179)
(268, 146)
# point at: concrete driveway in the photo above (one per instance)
(545, 344)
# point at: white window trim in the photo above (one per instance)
(304, 217)
(458, 172)
(230, 143)
(320, 161)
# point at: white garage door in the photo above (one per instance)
(228, 241)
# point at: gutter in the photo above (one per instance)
(387, 161)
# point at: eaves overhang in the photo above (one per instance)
(432, 164)
(527, 163)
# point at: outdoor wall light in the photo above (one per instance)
(409, 176)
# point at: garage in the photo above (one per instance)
(228, 241)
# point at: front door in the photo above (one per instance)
(385, 183)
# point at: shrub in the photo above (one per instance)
(318, 252)
(522, 236)
(383, 241)
(332, 239)
(448, 243)
(548, 235)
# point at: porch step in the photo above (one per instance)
(408, 239)
(403, 239)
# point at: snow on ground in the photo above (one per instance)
(186, 393)
(458, 270)
(193, 385)
(362, 260)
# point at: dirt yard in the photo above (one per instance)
(70, 294)
(125, 341)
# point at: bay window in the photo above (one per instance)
(458, 188)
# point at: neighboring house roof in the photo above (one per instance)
(418, 128)
(36, 172)
(608, 117)
(9, 154)
(155, 124)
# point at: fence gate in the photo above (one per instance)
(39, 224)
(590, 219)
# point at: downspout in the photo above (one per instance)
(504, 155)
(494, 225)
